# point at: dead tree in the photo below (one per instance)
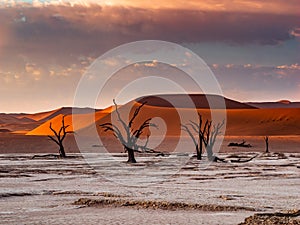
(209, 139)
(60, 136)
(205, 135)
(200, 131)
(266, 138)
(131, 136)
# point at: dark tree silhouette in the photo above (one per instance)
(200, 131)
(266, 138)
(242, 144)
(209, 140)
(60, 136)
(205, 135)
(131, 135)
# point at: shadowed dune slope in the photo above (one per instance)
(13, 124)
(36, 116)
(45, 116)
(199, 101)
(10, 119)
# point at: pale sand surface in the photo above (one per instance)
(42, 191)
(60, 213)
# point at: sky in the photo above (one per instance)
(46, 46)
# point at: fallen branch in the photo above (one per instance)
(242, 161)
(281, 214)
(56, 156)
(46, 156)
(242, 144)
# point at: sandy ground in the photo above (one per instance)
(16, 143)
(42, 191)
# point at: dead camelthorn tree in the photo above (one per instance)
(266, 138)
(209, 140)
(131, 135)
(59, 136)
(206, 134)
(200, 131)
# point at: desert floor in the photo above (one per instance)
(44, 190)
(19, 143)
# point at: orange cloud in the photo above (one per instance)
(254, 6)
(295, 66)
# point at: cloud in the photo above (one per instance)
(295, 66)
(151, 64)
(255, 82)
(81, 28)
(254, 6)
(295, 32)
(46, 49)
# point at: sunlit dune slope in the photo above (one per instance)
(83, 120)
(240, 122)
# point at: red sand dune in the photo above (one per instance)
(84, 120)
(242, 119)
(45, 116)
(36, 116)
(13, 124)
(199, 101)
(239, 121)
(22, 123)
(10, 119)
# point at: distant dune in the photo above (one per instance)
(37, 116)
(275, 105)
(21, 123)
(240, 122)
(45, 116)
(13, 124)
(10, 119)
(200, 101)
(243, 122)
(242, 119)
(84, 120)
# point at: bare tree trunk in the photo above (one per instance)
(199, 154)
(62, 152)
(199, 148)
(130, 153)
(210, 154)
(267, 144)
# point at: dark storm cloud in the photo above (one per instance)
(48, 48)
(82, 28)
